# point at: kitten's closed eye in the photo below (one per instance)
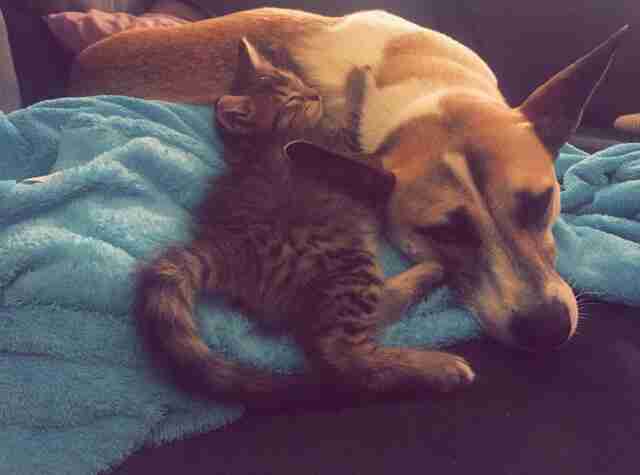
(265, 81)
(293, 100)
(235, 114)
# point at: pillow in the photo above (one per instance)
(78, 30)
(44, 7)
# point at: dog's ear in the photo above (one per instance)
(363, 181)
(250, 64)
(556, 107)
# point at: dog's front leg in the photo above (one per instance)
(406, 289)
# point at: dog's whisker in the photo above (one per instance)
(583, 300)
(586, 306)
(591, 293)
(571, 281)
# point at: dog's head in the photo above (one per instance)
(476, 190)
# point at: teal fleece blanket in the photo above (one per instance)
(77, 392)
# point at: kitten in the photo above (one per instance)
(292, 235)
(269, 99)
(302, 108)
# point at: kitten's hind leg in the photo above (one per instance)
(366, 368)
(344, 348)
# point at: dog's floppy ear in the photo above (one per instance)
(363, 182)
(556, 107)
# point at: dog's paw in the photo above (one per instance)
(449, 372)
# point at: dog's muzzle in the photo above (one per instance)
(544, 327)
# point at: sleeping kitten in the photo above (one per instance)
(292, 235)
(259, 84)
(265, 99)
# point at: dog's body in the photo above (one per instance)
(475, 182)
(196, 63)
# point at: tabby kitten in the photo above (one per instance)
(292, 235)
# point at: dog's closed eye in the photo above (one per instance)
(458, 229)
(533, 208)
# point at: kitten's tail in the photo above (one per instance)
(163, 307)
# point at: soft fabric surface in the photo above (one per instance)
(79, 30)
(120, 176)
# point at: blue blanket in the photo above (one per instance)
(77, 392)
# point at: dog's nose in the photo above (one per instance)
(544, 327)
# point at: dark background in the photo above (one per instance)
(576, 411)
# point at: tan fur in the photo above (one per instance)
(404, 57)
(432, 114)
(192, 63)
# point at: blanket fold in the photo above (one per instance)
(116, 180)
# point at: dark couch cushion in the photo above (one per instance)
(41, 64)
(572, 412)
(9, 92)
(416, 10)
(527, 42)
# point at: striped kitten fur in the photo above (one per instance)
(291, 234)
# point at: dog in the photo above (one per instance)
(475, 183)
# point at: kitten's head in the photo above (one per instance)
(267, 99)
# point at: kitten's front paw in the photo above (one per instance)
(449, 372)
(39, 179)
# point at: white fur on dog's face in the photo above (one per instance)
(481, 199)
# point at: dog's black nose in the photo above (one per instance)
(544, 327)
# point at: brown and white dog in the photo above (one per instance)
(475, 183)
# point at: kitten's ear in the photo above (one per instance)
(362, 181)
(250, 62)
